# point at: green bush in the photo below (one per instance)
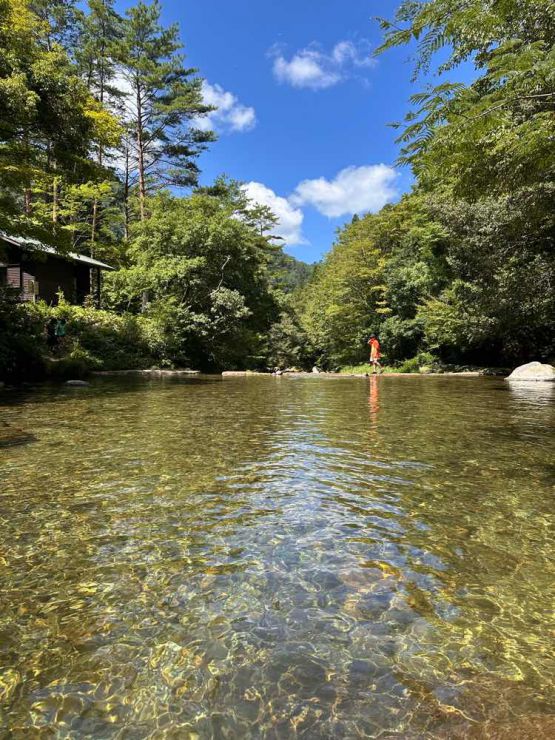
(111, 341)
(414, 364)
(22, 341)
(95, 340)
(409, 366)
(78, 363)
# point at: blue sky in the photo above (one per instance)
(303, 107)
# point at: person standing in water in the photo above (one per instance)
(375, 354)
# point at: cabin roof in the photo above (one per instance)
(26, 242)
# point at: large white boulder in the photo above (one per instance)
(533, 371)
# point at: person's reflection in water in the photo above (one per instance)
(373, 401)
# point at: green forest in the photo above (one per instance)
(100, 154)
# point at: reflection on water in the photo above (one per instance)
(539, 393)
(374, 399)
(278, 557)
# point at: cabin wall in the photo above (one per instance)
(44, 277)
(53, 275)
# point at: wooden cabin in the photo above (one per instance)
(36, 271)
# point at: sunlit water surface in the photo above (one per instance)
(278, 557)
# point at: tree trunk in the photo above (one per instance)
(27, 194)
(141, 158)
(126, 194)
(94, 224)
(55, 200)
(142, 179)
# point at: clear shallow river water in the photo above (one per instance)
(278, 557)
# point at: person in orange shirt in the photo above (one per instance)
(375, 353)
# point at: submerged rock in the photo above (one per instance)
(533, 371)
(10, 436)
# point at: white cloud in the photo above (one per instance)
(313, 68)
(347, 52)
(305, 69)
(231, 115)
(353, 190)
(290, 217)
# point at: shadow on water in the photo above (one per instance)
(98, 386)
(268, 557)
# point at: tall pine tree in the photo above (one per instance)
(163, 99)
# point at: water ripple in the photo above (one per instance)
(277, 559)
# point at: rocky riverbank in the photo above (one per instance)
(252, 373)
(152, 372)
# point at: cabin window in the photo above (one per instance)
(13, 276)
(30, 287)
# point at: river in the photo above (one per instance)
(278, 557)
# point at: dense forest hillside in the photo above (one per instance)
(289, 273)
(100, 138)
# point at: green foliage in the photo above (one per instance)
(95, 340)
(495, 134)
(499, 303)
(380, 269)
(75, 364)
(49, 122)
(422, 361)
(100, 32)
(22, 341)
(103, 340)
(204, 271)
(400, 337)
(468, 281)
(361, 369)
(484, 152)
(288, 344)
(409, 366)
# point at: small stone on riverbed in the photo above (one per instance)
(534, 372)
